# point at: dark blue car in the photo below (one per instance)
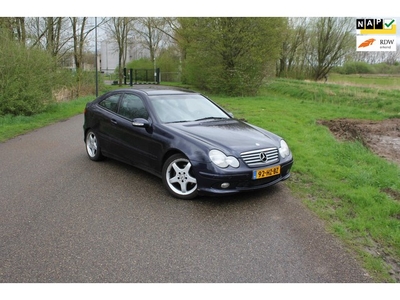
(194, 145)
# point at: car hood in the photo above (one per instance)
(229, 135)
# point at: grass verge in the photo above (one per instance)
(11, 126)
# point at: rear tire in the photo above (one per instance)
(178, 177)
(93, 149)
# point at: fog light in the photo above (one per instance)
(225, 185)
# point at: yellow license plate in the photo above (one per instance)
(263, 173)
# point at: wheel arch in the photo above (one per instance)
(85, 133)
(168, 154)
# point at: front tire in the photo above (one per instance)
(93, 149)
(178, 177)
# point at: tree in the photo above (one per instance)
(149, 35)
(229, 55)
(173, 29)
(292, 59)
(27, 77)
(119, 29)
(53, 29)
(14, 27)
(329, 41)
(32, 49)
(51, 33)
(80, 33)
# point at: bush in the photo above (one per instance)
(167, 61)
(385, 68)
(365, 68)
(229, 56)
(356, 68)
(143, 63)
(26, 79)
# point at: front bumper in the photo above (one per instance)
(225, 184)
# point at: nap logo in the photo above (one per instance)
(376, 26)
(369, 24)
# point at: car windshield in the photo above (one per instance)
(185, 108)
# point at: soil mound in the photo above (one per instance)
(381, 137)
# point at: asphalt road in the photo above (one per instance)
(64, 218)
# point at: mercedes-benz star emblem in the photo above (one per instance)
(263, 157)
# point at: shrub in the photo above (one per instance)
(356, 68)
(26, 78)
(229, 55)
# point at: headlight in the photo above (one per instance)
(221, 160)
(284, 149)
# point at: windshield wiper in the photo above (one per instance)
(211, 118)
(182, 121)
(201, 119)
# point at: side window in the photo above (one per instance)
(132, 107)
(111, 102)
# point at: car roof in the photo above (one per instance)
(158, 90)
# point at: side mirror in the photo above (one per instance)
(140, 122)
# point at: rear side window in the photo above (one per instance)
(111, 103)
(132, 107)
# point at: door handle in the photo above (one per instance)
(114, 122)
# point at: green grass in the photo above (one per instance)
(342, 182)
(11, 126)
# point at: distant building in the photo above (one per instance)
(108, 60)
(67, 62)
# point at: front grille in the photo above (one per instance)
(259, 158)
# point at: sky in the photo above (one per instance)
(185, 8)
(206, 8)
(209, 8)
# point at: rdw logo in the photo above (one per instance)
(367, 43)
(375, 43)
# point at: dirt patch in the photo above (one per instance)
(381, 137)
